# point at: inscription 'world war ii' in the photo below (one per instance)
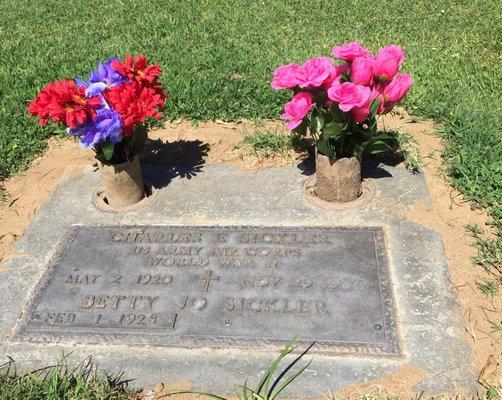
(218, 287)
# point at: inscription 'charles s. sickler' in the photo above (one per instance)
(218, 287)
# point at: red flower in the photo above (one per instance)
(135, 103)
(64, 102)
(138, 69)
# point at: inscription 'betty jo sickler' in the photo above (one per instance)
(206, 286)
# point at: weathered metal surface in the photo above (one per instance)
(187, 286)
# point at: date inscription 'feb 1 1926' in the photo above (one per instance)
(245, 287)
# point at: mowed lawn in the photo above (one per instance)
(218, 58)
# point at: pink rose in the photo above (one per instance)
(361, 71)
(285, 77)
(349, 51)
(314, 72)
(359, 114)
(341, 68)
(388, 61)
(395, 91)
(335, 75)
(349, 95)
(297, 109)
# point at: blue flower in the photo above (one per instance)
(107, 126)
(102, 78)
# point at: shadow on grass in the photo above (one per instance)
(164, 161)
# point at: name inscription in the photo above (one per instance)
(218, 287)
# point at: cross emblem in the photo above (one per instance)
(207, 278)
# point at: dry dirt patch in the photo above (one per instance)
(180, 142)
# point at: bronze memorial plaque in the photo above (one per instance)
(235, 287)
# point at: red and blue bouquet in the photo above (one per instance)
(110, 109)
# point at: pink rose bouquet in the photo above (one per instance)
(339, 103)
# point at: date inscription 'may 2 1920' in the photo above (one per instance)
(218, 287)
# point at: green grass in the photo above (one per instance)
(489, 256)
(405, 149)
(272, 383)
(61, 382)
(85, 382)
(488, 287)
(496, 326)
(409, 150)
(264, 143)
(219, 56)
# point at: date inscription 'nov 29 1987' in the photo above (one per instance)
(250, 287)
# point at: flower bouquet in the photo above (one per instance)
(108, 113)
(339, 105)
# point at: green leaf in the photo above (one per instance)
(107, 149)
(325, 148)
(302, 128)
(374, 107)
(359, 149)
(283, 373)
(288, 381)
(337, 114)
(332, 130)
(237, 392)
(265, 381)
(384, 136)
(245, 391)
(389, 139)
(377, 147)
(378, 144)
(373, 129)
(317, 122)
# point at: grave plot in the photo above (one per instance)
(218, 272)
